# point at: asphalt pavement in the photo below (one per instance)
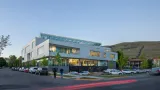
(14, 80)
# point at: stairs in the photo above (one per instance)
(140, 51)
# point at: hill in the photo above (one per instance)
(151, 49)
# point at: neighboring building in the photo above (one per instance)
(156, 62)
(75, 53)
(136, 63)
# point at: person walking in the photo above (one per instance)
(55, 72)
(61, 71)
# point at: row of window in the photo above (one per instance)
(67, 50)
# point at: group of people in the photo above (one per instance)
(55, 72)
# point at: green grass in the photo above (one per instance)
(87, 78)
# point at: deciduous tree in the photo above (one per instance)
(2, 62)
(58, 59)
(144, 63)
(12, 60)
(33, 62)
(4, 42)
(44, 61)
(122, 60)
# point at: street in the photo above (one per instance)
(14, 80)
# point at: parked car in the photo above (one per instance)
(84, 73)
(33, 69)
(17, 68)
(108, 71)
(116, 72)
(26, 70)
(22, 69)
(13, 68)
(155, 71)
(139, 71)
(147, 70)
(74, 73)
(128, 71)
(42, 71)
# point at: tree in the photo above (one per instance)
(44, 61)
(33, 62)
(144, 63)
(19, 61)
(150, 63)
(2, 62)
(58, 59)
(122, 60)
(23, 64)
(12, 60)
(27, 64)
(4, 41)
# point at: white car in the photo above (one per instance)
(108, 71)
(22, 69)
(127, 71)
(84, 73)
(33, 69)
(74, 73)
(139, 71)
(116, 72)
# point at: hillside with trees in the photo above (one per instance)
(151, 49)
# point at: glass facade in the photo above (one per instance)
(61, 49)
(71, 40)
(104, 55)
(74, 62)
(112, 56)
(88, 62)
(95, 53)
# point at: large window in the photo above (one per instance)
(104, 55)
(40, 50)
(53, 48)
(61, 49)
(112, 56)
(95, 53)
(88, 62)
(74, 62)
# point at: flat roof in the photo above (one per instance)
(67, 39)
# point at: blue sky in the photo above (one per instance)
(105, 21)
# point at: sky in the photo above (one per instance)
(106, 21)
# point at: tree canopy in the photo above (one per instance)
(2, 62)
(4, 41)
(144, 63)
(44, 61)
(58, 59)
(122, 60)
(33, 62)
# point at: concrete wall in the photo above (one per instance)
(38, 43)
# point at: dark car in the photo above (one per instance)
(42, 71)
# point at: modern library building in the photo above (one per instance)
(76, 54)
